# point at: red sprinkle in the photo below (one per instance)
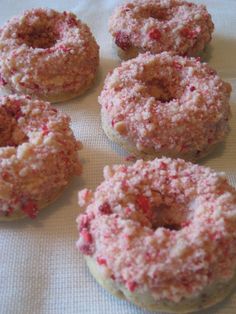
(162, 166)
(130, 158)
(2, 81)
(45, 129)
(86, 236)
(155, 34)
(143, 202)
(30, 209)
(105, 209)
(84, 222)
(192, 88)
(131, 285)
(113, 122)
(122, 40)
(188, 33)
(86, 249)
(101, 261)
(177, 65)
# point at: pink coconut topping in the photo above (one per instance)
(161, 25)
(167, 103)
(168, 227)
(45, 52)
(38, 154)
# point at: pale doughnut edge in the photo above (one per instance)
(20, 214)
(58, 97)
(133, 52)
(127, 54)
(149, 154)
(210, 296)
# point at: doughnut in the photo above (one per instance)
(38, 156)
(48, 55)
(155, 105)
(161, 234)
(180, 27)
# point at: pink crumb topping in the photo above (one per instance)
(30, 209)
(155, 34)
(176, 105)
(172, 232)
(44, 52)
(38, 154)
(101, 261)
(122, 40)
(161, 25)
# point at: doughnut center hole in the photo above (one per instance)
(159, 90)
(159, 14)
(39, 36)
(168, 217)
(10, 132)
(172, 227)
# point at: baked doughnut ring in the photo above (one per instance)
(161, 234)
(155, 105)
(180, 27)
(38, 156)
(48, 55)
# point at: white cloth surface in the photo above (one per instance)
(40, 269)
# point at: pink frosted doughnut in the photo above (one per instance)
(47, 54)
(180, 27)
(161, 234)
(155, 105)
(38, 155)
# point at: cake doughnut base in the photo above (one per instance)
(208, 297)
(134, 52)
(21, 215)
(149, 154)
(127, 54)
(68, 95)
(59, 67)
(143, 24)
(55, 98)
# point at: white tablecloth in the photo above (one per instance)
(40, 269)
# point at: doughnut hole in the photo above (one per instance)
(161, 14)
(10, 132)
(160, 90)
(168, 217)
(40, 34)
(162, 211)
